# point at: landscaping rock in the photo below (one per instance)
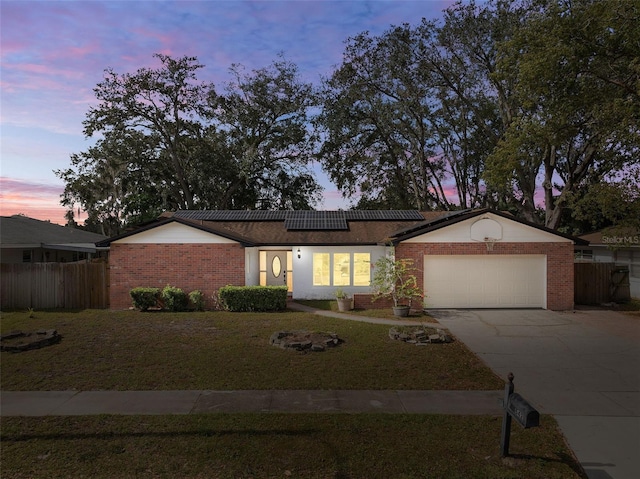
(18, 341)
(304, 340)
(419, 335)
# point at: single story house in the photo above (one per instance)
(619, 247)
(467, 259)
(28, 240)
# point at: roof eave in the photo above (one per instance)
(106, 243)
(457, 219)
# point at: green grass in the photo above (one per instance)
(215, 350)
(129, 350)
(279, 445)
(631, 307)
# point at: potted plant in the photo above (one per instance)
(394, 279)
(344, 301)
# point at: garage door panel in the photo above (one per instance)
(485, 281)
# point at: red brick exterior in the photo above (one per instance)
(559, 263)
(559, 267)
(206, 267)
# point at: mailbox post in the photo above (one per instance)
(519, 408)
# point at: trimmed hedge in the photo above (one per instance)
(253, 298)
(174, 299)
(196, 298)
(145, 298)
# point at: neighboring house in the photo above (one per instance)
(467, 259)
(621, 248)
(27, 240)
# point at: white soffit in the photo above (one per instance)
(172, 233)
(488, 223)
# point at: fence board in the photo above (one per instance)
(54, 285)
(597, 283)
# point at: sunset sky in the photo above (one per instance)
(53, 53)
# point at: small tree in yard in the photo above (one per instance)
(395, 279)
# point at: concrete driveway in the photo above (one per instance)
(583, 367)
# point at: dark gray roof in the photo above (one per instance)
(307, 220)
(22, 230)
(282, 228)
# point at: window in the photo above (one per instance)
(321, 269)
(584, 254)
(341, 269)
(263, 268)
(361, 269)
(289, 271)
(26, 256)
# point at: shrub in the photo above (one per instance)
(144, 298)
(395, 279)
(174, 299)
(253, 298)
(197, 300)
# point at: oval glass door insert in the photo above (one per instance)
(276, 266)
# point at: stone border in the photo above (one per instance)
(35, 340)
(419, 335)
(305, 340)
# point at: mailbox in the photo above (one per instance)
(522, 411)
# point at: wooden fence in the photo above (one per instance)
(597, 283)
(54, 285)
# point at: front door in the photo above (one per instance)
(278, 268)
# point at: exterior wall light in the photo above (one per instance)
(298, 253)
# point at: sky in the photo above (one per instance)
(54, 52)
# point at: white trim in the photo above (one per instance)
(174, 233)
(512, 232)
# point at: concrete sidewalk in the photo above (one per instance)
(80, 403)
(352, 317)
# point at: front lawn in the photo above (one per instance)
(215, 350)
(129, 350)
(321, 446)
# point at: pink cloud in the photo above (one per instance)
(33, 199)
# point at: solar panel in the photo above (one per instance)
(383, 215)
(303, 219)
(232, 215)
(316, 220)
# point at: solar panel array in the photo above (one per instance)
(383, 215)
(232, 215)
(303, 220)
(316, 220)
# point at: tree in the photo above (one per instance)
(577, 69)
(115, 182)
(168, 142)
(375, 120)
(261, 130)
(395, 279)
(606, 205)
(416, 109)
(165, 105)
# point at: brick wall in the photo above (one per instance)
(559, 263)
(206, 267)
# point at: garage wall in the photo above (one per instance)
(559, 262)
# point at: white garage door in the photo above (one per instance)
(485, 281)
